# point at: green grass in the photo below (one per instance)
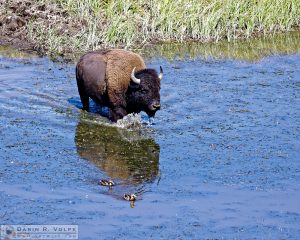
(132, 24)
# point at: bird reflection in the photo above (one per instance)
(128, 157)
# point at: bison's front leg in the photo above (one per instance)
(117, 113)
(117, 100)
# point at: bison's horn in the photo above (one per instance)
(160, 76)
(133, 78)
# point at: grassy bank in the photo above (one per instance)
(81, 25)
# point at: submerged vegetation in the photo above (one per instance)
(81, 25)
(245, 50)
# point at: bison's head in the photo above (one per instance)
(143, 91)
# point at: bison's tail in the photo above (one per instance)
(78, 78)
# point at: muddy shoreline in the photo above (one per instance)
(20, 18)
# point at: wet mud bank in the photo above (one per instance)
(219, 161)
(19, 19)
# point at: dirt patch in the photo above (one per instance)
(12, 26)
(19, 19)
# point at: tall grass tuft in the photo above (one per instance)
(126, 23)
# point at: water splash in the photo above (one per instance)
(130, 121)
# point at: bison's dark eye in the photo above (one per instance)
(144, 90)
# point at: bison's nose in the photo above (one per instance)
(156, 106)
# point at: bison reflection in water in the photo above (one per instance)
(124, 156)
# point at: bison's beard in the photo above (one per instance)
(151, 113)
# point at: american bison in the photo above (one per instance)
(118, 79)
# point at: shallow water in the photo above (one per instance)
(220, 160)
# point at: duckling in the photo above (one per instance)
(108, 183)
(130, 197)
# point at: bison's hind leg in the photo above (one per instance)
(84, 100)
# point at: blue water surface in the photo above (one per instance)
(220, 160)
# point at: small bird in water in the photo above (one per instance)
(130, 197)
(108, 183)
